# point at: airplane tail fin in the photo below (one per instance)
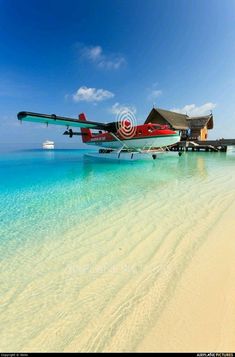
(86, 133)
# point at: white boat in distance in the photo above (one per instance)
(48, 145)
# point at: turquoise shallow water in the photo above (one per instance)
(71, 235)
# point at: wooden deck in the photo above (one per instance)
(208, 145)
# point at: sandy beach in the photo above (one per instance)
(201, 315)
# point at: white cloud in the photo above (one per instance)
(193, 110)
(96, 55)
(155, 93)
(92, 53)
(118, 108)
(86, 94)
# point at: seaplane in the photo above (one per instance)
(120, 140)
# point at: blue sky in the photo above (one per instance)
(67, 57)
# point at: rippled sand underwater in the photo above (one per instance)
(100, 256)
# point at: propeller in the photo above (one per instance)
(71, 133)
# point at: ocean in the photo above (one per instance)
(93, 254)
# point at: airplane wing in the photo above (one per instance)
(57, 120)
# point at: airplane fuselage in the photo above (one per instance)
(145, 136)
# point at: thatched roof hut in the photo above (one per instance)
(197, 126)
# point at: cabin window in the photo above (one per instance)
(157, 126)
(140, 132)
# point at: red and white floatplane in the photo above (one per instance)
(120, 140)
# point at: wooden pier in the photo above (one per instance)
(207, 145)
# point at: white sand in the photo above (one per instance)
(201, 315)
